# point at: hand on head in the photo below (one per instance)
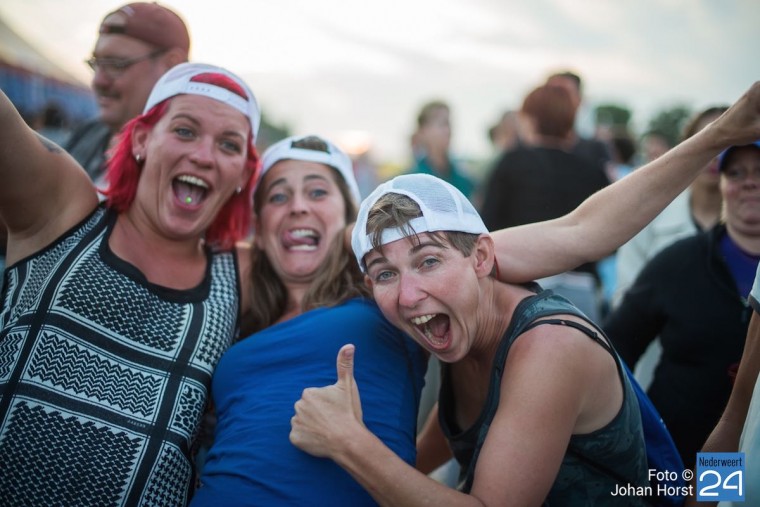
(326, 416)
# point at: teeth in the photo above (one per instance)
(192, 180)
(422, 319)
(303, 248)
(304, 233)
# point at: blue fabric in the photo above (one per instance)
(662, 454)
(259, 379)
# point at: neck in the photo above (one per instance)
(561, 143)
(294, 306)
(169, 263)
(439, 160)
(749, 243)
(495, 309)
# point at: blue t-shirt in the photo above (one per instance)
(259, 379)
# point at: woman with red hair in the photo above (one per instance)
(115, 314)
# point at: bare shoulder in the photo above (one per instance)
(569, 352)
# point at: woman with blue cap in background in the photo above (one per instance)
(693, 295)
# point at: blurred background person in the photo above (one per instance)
(431, 145)
(506, 133)
(547, 180)
(593, 149)
(696, 209)
(653, 145)
(693, 295)
(623, 150)
(137, 43)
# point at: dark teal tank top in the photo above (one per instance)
(618, 446)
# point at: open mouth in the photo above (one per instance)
(301, 240)
(189, 190)
(434, 327)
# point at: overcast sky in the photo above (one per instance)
(350, 69)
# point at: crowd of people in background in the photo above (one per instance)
(168, 295)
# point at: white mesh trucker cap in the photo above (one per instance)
(334, 157)
(178, 81)
(444, 208)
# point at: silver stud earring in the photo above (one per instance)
(238, 190)
(138, 158)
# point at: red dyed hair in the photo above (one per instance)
(233, 222)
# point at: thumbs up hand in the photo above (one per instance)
(326, 416)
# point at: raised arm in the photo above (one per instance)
(615, 214)
(44, 191)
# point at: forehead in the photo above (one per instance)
(291, 171)
(120, 46)
(207, 109)
(408, 245)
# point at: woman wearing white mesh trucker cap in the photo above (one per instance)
(528, 429)
(309, 300)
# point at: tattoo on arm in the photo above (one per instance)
(49, 145)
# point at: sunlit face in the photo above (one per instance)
(302, 212)
(430, 292)
(195, 158)
(740, 188)
(123, 95)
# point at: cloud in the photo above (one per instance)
(336, 65)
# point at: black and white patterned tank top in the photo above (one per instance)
(104, 376)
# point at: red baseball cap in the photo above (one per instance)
(148, 22)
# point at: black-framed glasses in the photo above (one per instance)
(115, 67)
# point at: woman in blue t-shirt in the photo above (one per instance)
(309, 301)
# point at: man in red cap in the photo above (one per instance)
(137, 44)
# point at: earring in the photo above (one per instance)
(138, 158)
(238, 190)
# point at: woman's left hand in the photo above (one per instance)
(326, 416)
